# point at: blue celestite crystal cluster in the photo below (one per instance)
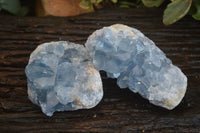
(62, 77)
(137, 63)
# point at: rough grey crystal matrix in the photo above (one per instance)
(62, 77)
(126, 54)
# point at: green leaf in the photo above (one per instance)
(176, 10)
(12, 6)
(99, 1)
(84, 4)
(114, 1)
(152, 3)
(197, 14)
(195, 9)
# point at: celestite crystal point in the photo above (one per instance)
(62, 77)
(137, 63)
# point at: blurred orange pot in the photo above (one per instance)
(59, 8)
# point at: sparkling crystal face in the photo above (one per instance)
(137, 63)
(62, 77)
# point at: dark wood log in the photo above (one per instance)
(120, 110)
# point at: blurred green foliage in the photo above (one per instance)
(195, 9)
(175, 10)
(13, 7)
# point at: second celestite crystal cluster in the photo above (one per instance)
(137, 63)
(63, 76)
